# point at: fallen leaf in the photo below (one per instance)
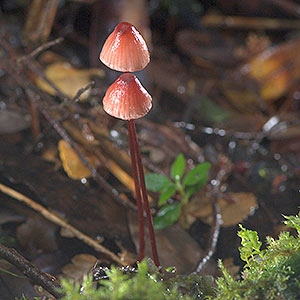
(67, 78)
(175, 247)
(72, 164)
(275, 69)
(12, 121)
(37, 234)
(81, 266)
(234, 208)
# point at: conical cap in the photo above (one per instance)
(127, 99)
(125, 49)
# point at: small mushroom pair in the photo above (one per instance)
(125, 50)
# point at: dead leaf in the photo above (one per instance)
(81, 266)
(38, 234)
(175, 247)
(67, 78)
(275, 69)
(9, 216)
(12, 121)
(234, 209)
(72, 164)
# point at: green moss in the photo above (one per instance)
(272, 273)
(142, 286)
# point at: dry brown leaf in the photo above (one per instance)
(234, 209)
(72, 164)
(67, 78)
(275, 69)
(12, 121)
(80, 267)
(38, 234)
(243, 97)
(175, 247)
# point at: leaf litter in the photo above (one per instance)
(227, 97)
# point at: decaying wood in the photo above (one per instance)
(47, 281)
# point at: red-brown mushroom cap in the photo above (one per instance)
(127, 99)
(125, 49)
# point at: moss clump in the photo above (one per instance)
(272, 273)
(142, 286)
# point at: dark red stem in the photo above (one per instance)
(131, 127)
(138, 195)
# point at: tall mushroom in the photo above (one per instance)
(125, 50)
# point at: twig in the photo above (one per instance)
(90, 85)
(35, 121)
(214, 236)
(59, 221)
(78, 94)
(217, 222)
(39, 49)
(38, 277)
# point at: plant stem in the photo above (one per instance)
(131, 127)
(184, 204)
(138, 194)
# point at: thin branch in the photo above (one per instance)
(60, 222)
(39, 49)
(214, 236)
(90, 85)
(215, 232)
(38, 277)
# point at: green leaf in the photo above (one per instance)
(192, 189)
(166, 216)
(166, 193)
(178, 167)
(198, 175)
(155, 182)
(250, 246)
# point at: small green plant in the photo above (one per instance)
(184, 186)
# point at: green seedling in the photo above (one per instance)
(178, 184)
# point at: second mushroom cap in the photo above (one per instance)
(127, 99)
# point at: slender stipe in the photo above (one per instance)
(141, 253)
(132, 132)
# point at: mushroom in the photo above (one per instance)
(125, 50)
(126, 99)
